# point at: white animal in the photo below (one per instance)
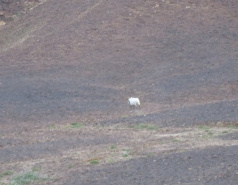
(134, 102)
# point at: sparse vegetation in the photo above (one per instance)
(70, 166)
(110, 161)
(150, 155)
(27, 178)
(125, 155)
(175, 140)
(204, 136)
(225, 132)
(74, 125)
(126, 152)
(6, 173)
(99, 127)
(151, 127)
(52, 127)
(232, 126)
(204, 127)
(35, 169)
(209, 132)
(94, 162)
(113, 147)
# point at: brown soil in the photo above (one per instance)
(65, 62)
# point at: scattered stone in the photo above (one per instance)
(2, 23)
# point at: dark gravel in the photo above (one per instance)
(211, 166)
(187, 116)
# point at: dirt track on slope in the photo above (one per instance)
(79, 61)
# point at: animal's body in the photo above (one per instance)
(134, 102)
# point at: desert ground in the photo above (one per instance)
(67, 69)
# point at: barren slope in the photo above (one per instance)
(79, 61)
(86, 55)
